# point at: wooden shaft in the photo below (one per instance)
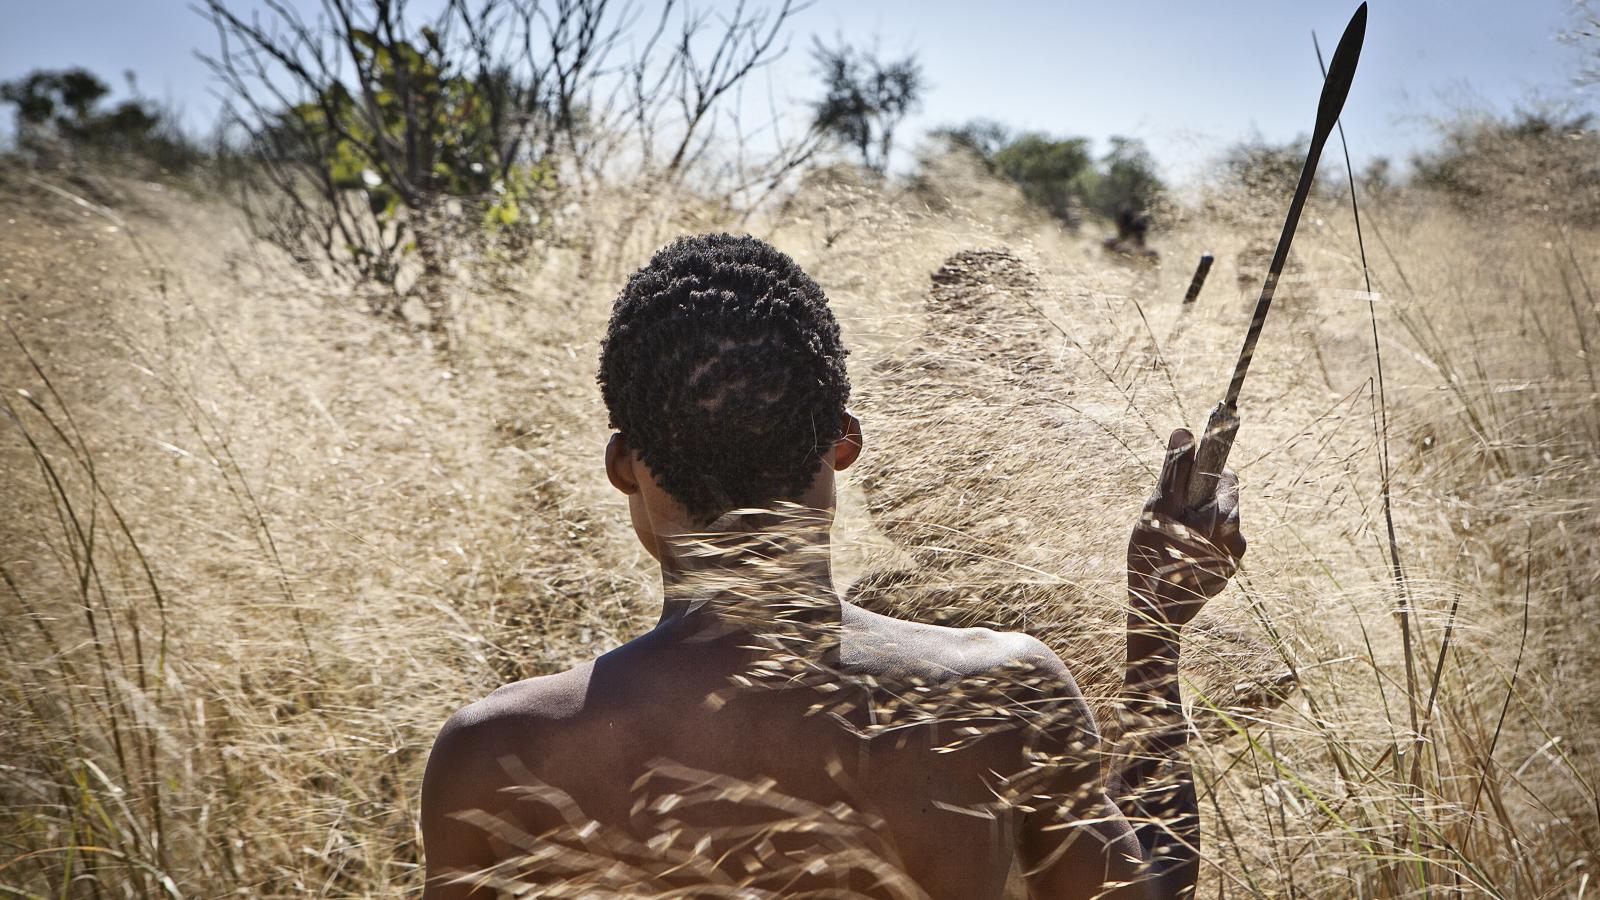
(1199, 279)
(1211, 457)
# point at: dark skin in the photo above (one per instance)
(954, 791)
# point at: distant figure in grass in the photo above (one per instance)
(767, 738)
(1133, 228)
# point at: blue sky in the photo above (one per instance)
(1187, 78)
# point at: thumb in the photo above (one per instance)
(1173, 485)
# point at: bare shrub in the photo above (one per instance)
(1534, 163)
(392, 150)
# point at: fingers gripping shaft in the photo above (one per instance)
(1211, 457)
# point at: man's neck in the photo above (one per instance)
(753, 575)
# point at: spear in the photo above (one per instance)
(1223, 425)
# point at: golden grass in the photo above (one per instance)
(256, 544)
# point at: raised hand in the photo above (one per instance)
(1179, 558)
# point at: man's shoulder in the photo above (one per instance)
(941, 652)
(522, 707)
(469, 754)
(956, 673)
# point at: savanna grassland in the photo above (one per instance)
(257, 543)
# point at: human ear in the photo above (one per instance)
(848, 448)
(619, 465)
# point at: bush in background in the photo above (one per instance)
(1531, 162)
(62, 110)
(388, 148)
(1062, 176)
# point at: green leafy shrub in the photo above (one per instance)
(1055, 175)
(1061, 175)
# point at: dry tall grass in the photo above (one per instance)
(256, 545)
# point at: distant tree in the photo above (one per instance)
(1128, 184)
(63, 100)
(1264, 169)
(1585, 35)
(1377, 179)
(982, 137)
(1062, 176)
(1056, 174)
(865, 98)
(64, 107)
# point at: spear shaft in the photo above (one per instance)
(1223, 425)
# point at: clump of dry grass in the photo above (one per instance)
(256, 546)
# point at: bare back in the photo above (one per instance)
(892, 770)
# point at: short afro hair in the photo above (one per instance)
(723, 368)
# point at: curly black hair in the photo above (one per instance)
(723, 368)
